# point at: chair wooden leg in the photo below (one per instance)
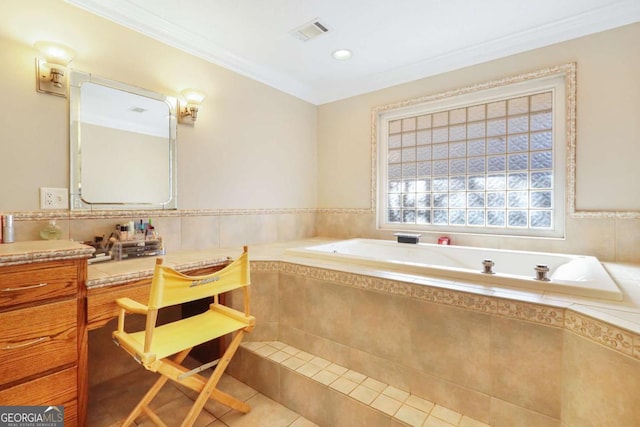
(153, 391)
(230, 401)
(213, 380)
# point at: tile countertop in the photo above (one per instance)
(624, 314)
(41, 251)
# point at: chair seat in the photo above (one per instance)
(174, 337)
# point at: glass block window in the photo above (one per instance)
(481, 167)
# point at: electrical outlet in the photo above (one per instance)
(54, 198)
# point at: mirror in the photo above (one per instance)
(123, 145)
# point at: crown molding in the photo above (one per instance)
(144, 21)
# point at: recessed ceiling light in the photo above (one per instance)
(342, 54)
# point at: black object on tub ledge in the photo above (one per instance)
(408, 237)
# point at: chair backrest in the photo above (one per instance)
(170, 287)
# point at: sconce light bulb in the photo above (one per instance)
(193, 112)
(56, 76)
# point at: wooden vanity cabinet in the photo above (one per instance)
(41, 334)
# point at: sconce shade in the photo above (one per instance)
(55, 53)
(193, 96)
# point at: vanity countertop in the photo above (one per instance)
(117, 272)
(41, 251)
(129, 270)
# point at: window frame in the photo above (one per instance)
(560, 80)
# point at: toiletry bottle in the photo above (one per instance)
(51, 231)
(8, 232)
(124, 232)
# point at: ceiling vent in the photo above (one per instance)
(309, 30)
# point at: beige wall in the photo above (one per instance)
(608, 145)
(253, 147)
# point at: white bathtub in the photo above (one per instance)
(569, 274)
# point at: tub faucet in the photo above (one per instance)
(541, 272)
(487, 265)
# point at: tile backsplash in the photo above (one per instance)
(608, 239)
(183, 229)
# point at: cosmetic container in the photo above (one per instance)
(8, 231)
(51, 231)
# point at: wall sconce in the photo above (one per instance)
(50, 69)
(188, 106)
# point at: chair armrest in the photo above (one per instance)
(132, 306)
(234, 314)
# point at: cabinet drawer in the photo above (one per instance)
(33, 284)
(37, 339)
(57, 389)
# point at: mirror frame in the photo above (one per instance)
(76, 80)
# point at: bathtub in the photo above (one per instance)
(577, 275)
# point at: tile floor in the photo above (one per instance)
(110, 402)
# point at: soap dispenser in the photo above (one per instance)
(51, 231)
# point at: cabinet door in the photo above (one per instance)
(37, 339)
(58, 389)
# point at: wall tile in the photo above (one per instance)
(264, 297)
(292, 301)
(450, 343)
(461, 399)
(247, 229)
(353, 413)
(295, 226)
(170, 229)
(328, 349)
(628, 240)
(85, 229)
(388, 371)
(261, 374)
(328, 310)
(601, 386)
(347, 225)
(526, 364)
(264, 331)
(504, 414)
(305, 396)
(295, 337)
(199, 232)
(379, 327)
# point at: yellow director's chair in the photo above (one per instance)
(153, 346)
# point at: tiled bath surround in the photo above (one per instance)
(496, 360)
